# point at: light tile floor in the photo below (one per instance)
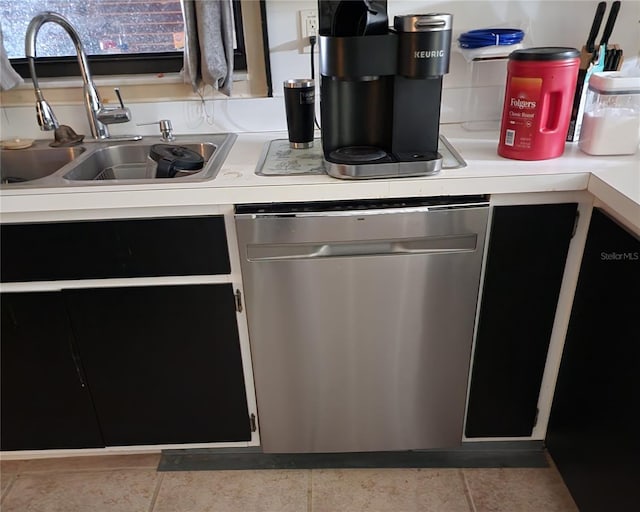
(130, 483)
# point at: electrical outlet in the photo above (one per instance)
(308, 27)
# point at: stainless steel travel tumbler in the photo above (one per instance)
(299, 102)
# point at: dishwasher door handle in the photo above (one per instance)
(299, 251)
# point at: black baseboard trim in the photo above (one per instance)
(508, 454)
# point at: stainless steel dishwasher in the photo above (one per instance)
(361, 318)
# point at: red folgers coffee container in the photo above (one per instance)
(537, 102)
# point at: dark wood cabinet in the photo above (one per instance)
(45, 402)
(101, 249)
(122, 366)
(592, 434)
(134, 365)
(163, 363)
(525, 263)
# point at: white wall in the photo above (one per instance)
(546, 22)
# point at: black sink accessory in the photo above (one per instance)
(171, 159)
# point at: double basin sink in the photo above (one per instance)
(104, 162)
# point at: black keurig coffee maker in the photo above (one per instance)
(380, 89)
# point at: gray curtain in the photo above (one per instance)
(208, 47)
(8, 77)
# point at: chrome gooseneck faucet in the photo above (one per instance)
(98, 115)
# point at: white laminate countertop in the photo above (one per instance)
(613, 180)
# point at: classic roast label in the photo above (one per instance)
(523, 99)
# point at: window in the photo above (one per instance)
(119, 36)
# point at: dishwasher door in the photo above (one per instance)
(361, 323)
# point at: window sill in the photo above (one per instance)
(116, 80)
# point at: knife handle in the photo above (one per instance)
(595, 26)
(611, 20)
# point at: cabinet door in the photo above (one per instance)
(45, 401)
(114, 248)
(173, 246)
(593, 428)
(58, 250)
(163, 363)
(525, 263)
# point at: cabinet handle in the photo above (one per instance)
(238, 297)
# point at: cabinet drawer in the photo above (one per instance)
(114, 248)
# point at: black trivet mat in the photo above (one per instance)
(528, 454)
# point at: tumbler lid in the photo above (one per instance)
(545, 53)
(298, 83)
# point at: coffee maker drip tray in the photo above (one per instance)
(359, 155)
(366, 162)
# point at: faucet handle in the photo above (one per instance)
(117, 91)
(114, 115)
(166, 129)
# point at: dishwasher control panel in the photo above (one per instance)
(363, 204)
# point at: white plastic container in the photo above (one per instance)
(611, 122)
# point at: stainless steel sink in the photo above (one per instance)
(126, 162)
(23, 165)
(101, 163)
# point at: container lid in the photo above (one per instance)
(614, 82)
(178, 157)
(16, 143)
(545, 53)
